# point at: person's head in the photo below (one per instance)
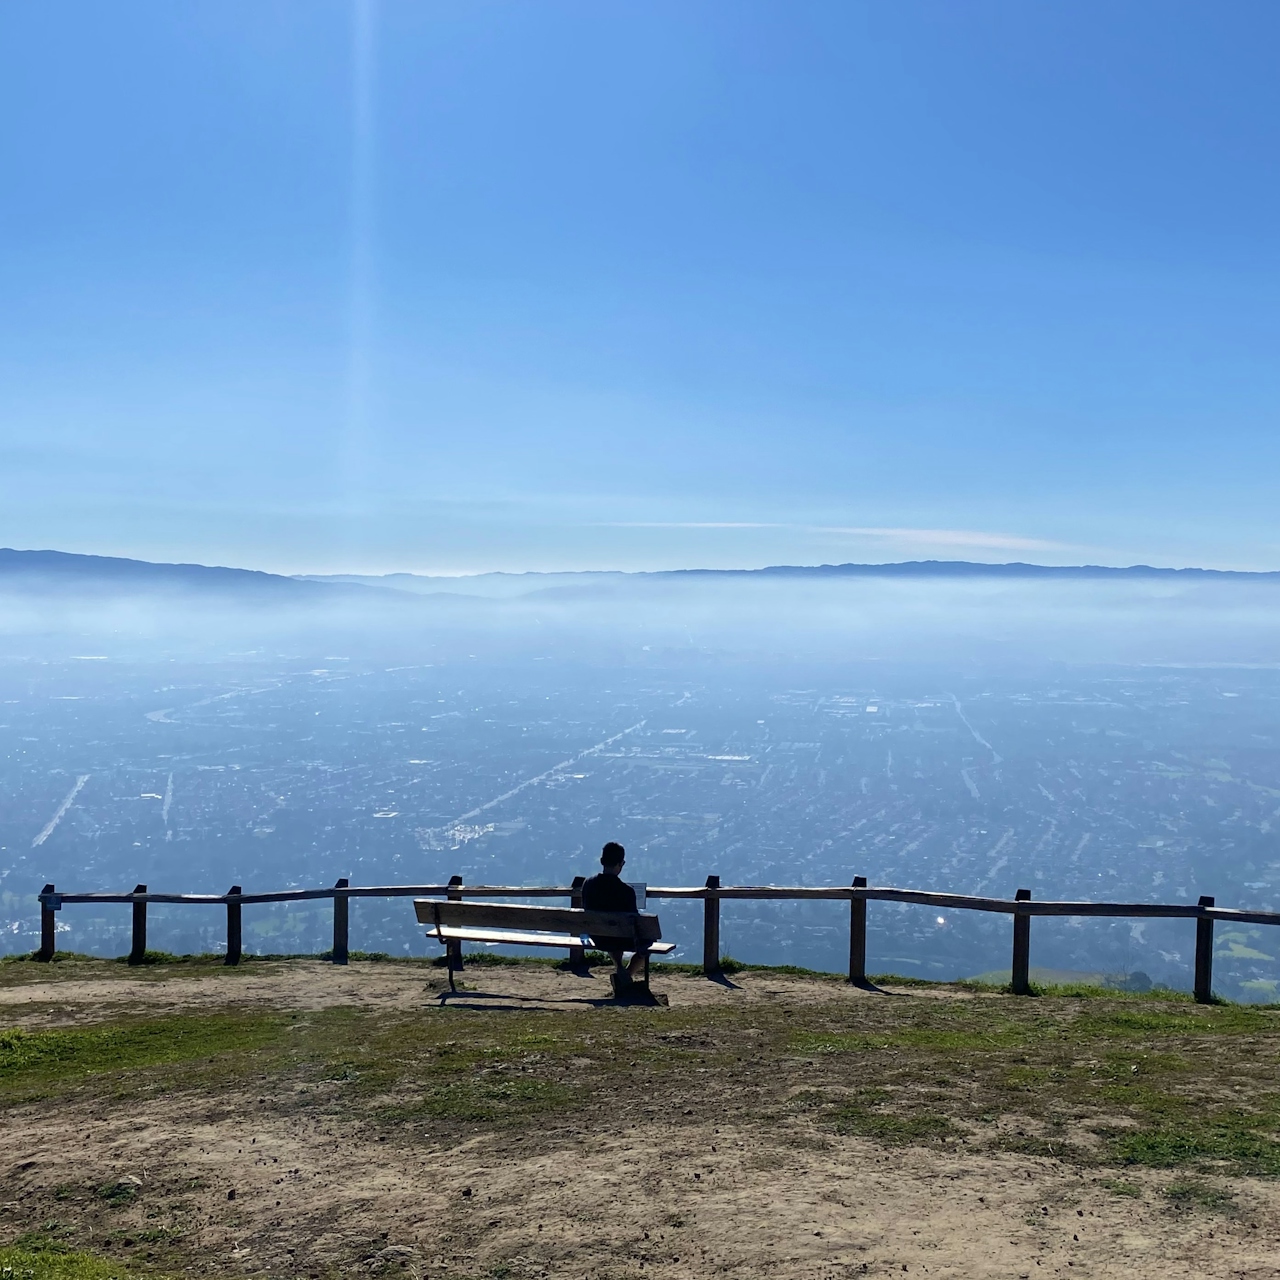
(612, 856)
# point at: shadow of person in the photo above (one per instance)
(504, 1003)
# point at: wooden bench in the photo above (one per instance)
(518, 926)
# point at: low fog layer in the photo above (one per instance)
(1107, 739)
(926, 620)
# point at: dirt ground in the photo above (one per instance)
(65, 998)
(603, 1195)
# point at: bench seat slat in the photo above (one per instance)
(500, 915)
(515, 938)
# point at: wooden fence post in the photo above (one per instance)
(233, 926)
(138, 949)
(577, 955)
(340, 921)
(48, 925)
(453, 950)
(858, 935)
(1204, 955)
(1020, 973)
(711, 928)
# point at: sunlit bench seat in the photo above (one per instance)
(519, 926)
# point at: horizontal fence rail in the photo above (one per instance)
(712, 893)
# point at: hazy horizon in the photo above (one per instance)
(421, 572)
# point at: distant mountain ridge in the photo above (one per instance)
(63, 571)
(975, 569)
(510, 584)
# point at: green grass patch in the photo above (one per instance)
(730, 966)
(43, 1057)
(1194, 1194)
(1118, 1187)
(59, 957)
(118, 1194)
(167, 957)
(891, 1128)
(943, 1039)
(1025, 1144)
(1028, 1078)
(836, 1042)
(946, 1039)
(1232, 1139)
(37, 1256)
(404, 1069)
(483, 1100)
(1090, 991)
(1165, 1083)
(1140, 1064)
(1204, 1020)
(901, 980)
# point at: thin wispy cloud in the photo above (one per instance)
(972, 538)
(695, 524)
(950, 538)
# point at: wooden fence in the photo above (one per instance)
(1021, 907)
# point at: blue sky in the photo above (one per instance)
(452, 287)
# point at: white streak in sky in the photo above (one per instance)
(62, 808)
(691, 524)
(356, 458)
(949, 538)
(164, 808)
(909, 537)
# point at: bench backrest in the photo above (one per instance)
(642, 926)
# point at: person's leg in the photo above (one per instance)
(620, 978)
(636, 967)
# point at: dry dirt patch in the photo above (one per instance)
(679, 1175)
(659, 1199)
(68, 995)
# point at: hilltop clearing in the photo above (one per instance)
(296, 1119)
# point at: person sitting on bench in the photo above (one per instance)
(609, 892)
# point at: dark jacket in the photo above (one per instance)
(605, 892)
